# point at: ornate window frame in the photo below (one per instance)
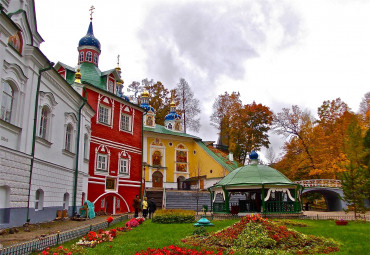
(47, 101)
(104, 101)
(102, 152)
(181, 148)
(124, 157)
(126, 111)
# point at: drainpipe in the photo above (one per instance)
(142, 155)
(51, 64)
(74, 211)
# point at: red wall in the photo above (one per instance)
(120, 139)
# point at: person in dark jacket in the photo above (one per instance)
(151, 207)
(136, 204)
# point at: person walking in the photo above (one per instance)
(151, 207)
(136, 205)
(145, 207)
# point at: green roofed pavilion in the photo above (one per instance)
(255, 188)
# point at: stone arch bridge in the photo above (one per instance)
(330, 189)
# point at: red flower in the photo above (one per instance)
(110, 219)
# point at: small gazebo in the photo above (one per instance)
(255, 189)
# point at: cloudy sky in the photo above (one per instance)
(274, 52)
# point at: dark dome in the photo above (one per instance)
(253, 155)
(172, 116)
(89, 39)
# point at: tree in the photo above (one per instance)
(187, 105)
(224, 107)
(159, 100)
(249, 129)
(298, 124)
(135, 87)
(365, 109)
(271, 156)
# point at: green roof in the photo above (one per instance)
(228, 165)
(254, 175)
(162, 130)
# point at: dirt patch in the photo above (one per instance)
(40, 229)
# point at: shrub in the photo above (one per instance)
(174, 216)
(201, 231)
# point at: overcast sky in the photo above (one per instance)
(277, 53)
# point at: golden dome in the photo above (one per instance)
(120, 82)
(118, 69)
(145, 93)
(78, 76)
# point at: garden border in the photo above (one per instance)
(286, 216)
(59, 238)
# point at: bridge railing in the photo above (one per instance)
(331, 183)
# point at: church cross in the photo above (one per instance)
(92, 8)
(118, 60)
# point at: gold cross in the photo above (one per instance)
(204, 210)
(118, 60)
(92, 8)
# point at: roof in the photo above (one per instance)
(89, 39)
(254, 175)
(162, 130)
(226, 163)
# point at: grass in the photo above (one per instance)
(354, 237)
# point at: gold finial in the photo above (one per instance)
(92, 8)
(120, 82)
(145, 93)
(78, 74)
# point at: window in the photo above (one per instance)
(39, 200)
(102, 162)
(65, 201)
(102, 203)
(44, 122)
(69, 134)
(170, 126)
(123, 166)
(111, 86)
(104, 114)
(96, 58)
(7, 102)
(89, 56)
(86, 146)
(81, 56)
(125, 122)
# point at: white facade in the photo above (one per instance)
(51, 185)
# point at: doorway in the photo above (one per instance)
(157, 178)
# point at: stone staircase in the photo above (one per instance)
(184, 199)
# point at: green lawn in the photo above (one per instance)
(355, 237)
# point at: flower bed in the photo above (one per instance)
(92, 238)
(176, 250)
(255, 235)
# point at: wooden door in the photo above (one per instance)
(109, 204)
(157, 179)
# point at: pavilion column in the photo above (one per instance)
(212, 196)
(227, 207)
(263, 198)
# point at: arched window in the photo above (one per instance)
(39, 200)
(44, 122)
(86, 146)
(7, 102)
(81, 56)
(124, 163)
(169, 126)
(89, 56)
(65, 201)
(96, 58)
(69, 136)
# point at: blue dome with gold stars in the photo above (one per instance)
(89, 39)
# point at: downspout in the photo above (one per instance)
(51, 64)
(142, 155)
(74, 211)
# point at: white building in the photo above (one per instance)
(41, 169)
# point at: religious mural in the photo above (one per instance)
(16, 42)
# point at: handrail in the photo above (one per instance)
(330, 183)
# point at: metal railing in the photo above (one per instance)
(56, 239)
(330, 183)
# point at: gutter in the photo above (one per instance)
(34, 136)
(74, 211)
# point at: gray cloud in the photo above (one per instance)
(203, 41)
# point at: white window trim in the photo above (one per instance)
(86, 148)
(129, 123)
(46, 99)
(89, 56)
(65, 201)
(124, 156)
(39, 201)
(99, 155)
(83, 56)
(108, 117)
(95, 58)
(111, 101)
(114, 85)
(131, 116)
